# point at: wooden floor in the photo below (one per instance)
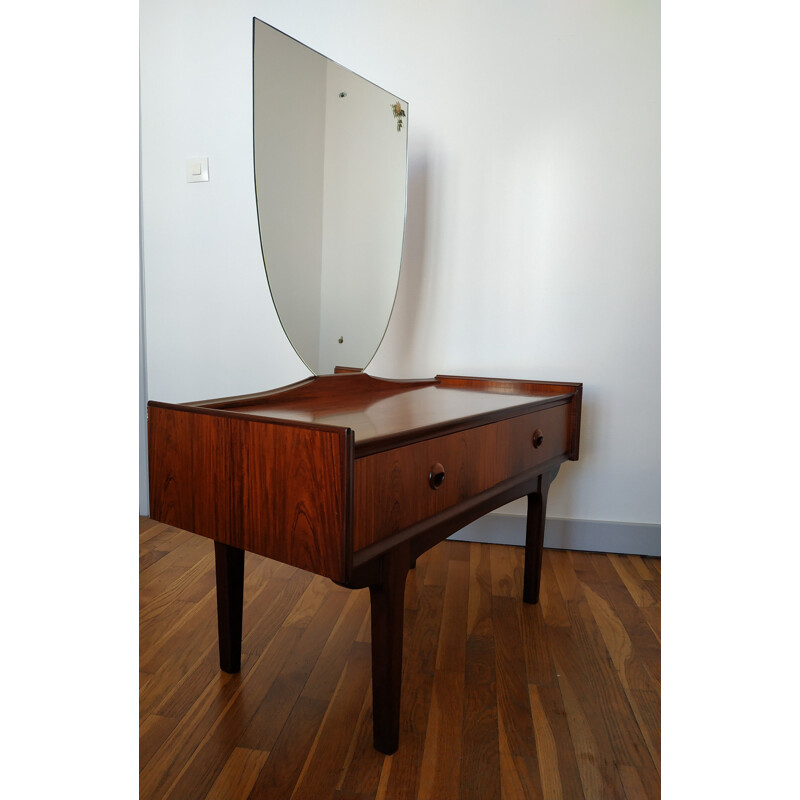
(500, 699)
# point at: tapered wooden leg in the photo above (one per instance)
(386, 604)
(534, 538)
(230, 596)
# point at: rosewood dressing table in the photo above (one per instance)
(346, 475)
(353, 477)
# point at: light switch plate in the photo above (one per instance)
(196, 170)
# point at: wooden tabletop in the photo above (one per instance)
(377, 409)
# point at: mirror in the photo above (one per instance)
(330, 156)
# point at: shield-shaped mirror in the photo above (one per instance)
(330, 155)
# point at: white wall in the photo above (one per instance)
(532, 244)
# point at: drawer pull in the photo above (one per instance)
(436, 477)
(538, 438)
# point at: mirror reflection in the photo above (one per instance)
(330, 153)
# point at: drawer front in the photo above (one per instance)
(395, 489)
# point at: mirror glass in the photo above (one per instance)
(330, 171)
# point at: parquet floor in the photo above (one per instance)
(500, 699)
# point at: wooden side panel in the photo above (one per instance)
(392, 489)
(190, 471)
(281, 491)
(291, 490)
(509, 386)
(575, 422)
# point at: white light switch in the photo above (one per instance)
(196, 170)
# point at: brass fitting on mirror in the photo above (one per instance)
(397, 109)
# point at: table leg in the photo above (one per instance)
(230, 596)
(534, 538)
(386, 609)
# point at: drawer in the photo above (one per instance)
(397, 488)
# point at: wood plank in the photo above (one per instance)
(479, 618)
(148, 557)
(633, 679)
(441, 755)
(148, 528)
(315, 595)
(480, 760)
(451, 649)
(640, 590)
(567, 581)
(640, 566)
(157, 627)
(171, 760)
(184, 692)
(363, 764)
(176, 652)
(506, 700)
(652, 616)
(551, 722)
(634, 789)
(611, 708)
(268, 711)
(479, 775)
(595, 763)
(421, 644)
(183, 549)
(515, 783)
(179, 587)
(238, 775)
(323, 767)
(384, 779)
(156, 535)
(546, 749)
(535, 644)
(436, 566)
(263, 613)
(518, 755)
(502, 566)
(634, 619)
(181, 657)
(153, 579)
(214, 737)
(296, 738)
(551, 601)
(272, 605)
(598, 696)
(153, 732)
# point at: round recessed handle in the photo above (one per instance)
(538, 438)
(436, 477)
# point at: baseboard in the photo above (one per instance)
(632, 538)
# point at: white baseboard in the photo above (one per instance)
(632, 538)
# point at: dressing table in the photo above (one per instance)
(351, 476)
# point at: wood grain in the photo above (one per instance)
(501, 699)
(392, 489)
(384, 414)
(272, 489)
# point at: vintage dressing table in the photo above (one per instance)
(348, 475)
